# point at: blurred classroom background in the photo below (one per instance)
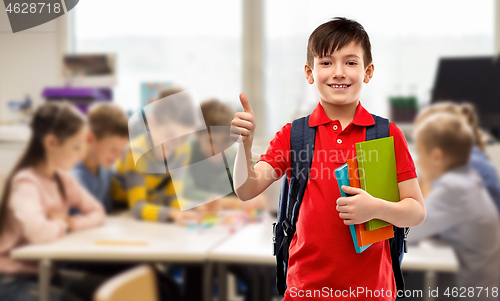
(127, 52)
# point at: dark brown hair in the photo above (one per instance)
(216, 113)
(335, 35)
(178, 109)
(107, 119)
(60, 119)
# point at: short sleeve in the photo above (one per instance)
(404, 163)
(278, 153)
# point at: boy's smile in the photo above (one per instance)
(339, 76)
(339, 87)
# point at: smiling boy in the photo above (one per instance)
(321, 254)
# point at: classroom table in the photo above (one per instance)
(123, 239)
(253, 245)
(430, 257)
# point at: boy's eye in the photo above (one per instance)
(324, 63)
(352, 63)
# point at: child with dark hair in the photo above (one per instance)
(144, 183)
(322, 260)
(39, 192)
(106, 141)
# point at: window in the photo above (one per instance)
(195, 44)
(407, 40)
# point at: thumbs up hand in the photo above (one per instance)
(243, 123)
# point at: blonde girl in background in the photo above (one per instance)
(478, 159)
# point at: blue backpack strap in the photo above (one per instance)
(292, 191)
(398, 243)
(379, 130)
(302, 146)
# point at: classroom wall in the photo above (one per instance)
(29, 60)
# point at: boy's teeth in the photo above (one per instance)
(339, 86)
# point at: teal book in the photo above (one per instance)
(377, 173)
(342, 176)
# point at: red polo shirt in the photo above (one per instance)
(323, 263)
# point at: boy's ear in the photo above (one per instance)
(438, 154)
(369, 73)
(309, 74)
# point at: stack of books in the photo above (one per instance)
(373, 170)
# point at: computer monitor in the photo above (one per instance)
(475, 80)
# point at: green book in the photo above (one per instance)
(377, 173)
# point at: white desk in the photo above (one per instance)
(430, 257)
(163, 243)
(253, 245)
(250, 245)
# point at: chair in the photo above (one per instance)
(135, 284)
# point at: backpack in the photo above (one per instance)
(302, 143)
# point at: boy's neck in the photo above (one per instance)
(343, 113)
(91, 164)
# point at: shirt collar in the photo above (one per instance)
(361, 118)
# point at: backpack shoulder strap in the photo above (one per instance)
(292, 191)
(302, 149)
(379, 130)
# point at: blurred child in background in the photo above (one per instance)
(459, 208)
(145, 185)
(478, 159)
(106, 141)
(151, 195)
(38, 194)
(212, 179)
(208, 145)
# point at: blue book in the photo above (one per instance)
(342, 176)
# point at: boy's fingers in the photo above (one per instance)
(245, 103)
(243, 131)
(351, 190)
(239, 131)
(244, 116)
(241, 123)
(342, 201)
(348, 222)
(342, 209)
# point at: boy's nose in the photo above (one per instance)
(338, 72)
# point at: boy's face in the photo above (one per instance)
(339, 77)
(171, 135)
(108, 149)
(220, 139)
(430, 162)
